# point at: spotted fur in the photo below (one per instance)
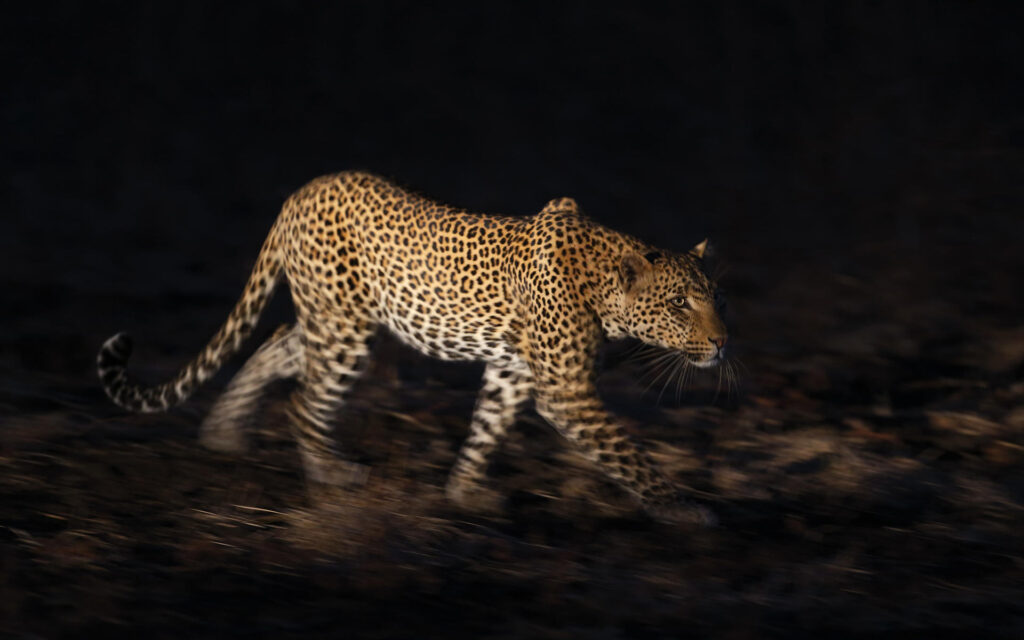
(532, 297)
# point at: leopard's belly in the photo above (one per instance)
(450, 338)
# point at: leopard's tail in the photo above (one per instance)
(114, 354)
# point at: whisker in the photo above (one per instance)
(718, 387)
(654, 374)
(672, 374)
(740, 363)
(737, 377)
(660, 366)
(679, 379)
(661, 372)
(653, 355)
(664, 359)
(688, 374)
(637, 352)
(732, 380)
(684, 374)
(668, 365)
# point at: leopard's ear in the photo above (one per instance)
(567, 205)
(633, 270)
(700, 248)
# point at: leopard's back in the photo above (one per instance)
(436, 276)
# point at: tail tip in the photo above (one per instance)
(115, 351)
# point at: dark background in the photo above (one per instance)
(136, 133)
(145, 127)
(859, 167)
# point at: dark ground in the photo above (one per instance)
(860, 168)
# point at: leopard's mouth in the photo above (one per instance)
(705, 360)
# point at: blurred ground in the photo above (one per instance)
(858, 167)
(868, 475)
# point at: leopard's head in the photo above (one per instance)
(668, 300)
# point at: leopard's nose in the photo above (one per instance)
(718, 341)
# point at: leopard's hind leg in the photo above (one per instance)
(505, 390)
(224, 429)
(336, 352)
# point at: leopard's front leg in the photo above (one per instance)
(578, 415)
(564, 370)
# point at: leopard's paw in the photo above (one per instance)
(472, 496)
(223, 435)
(334, 472)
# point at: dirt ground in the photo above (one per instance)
(867, 471)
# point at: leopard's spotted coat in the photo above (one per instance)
(532, 297)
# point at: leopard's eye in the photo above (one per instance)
(681, 302)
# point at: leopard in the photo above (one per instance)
(531, 297)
